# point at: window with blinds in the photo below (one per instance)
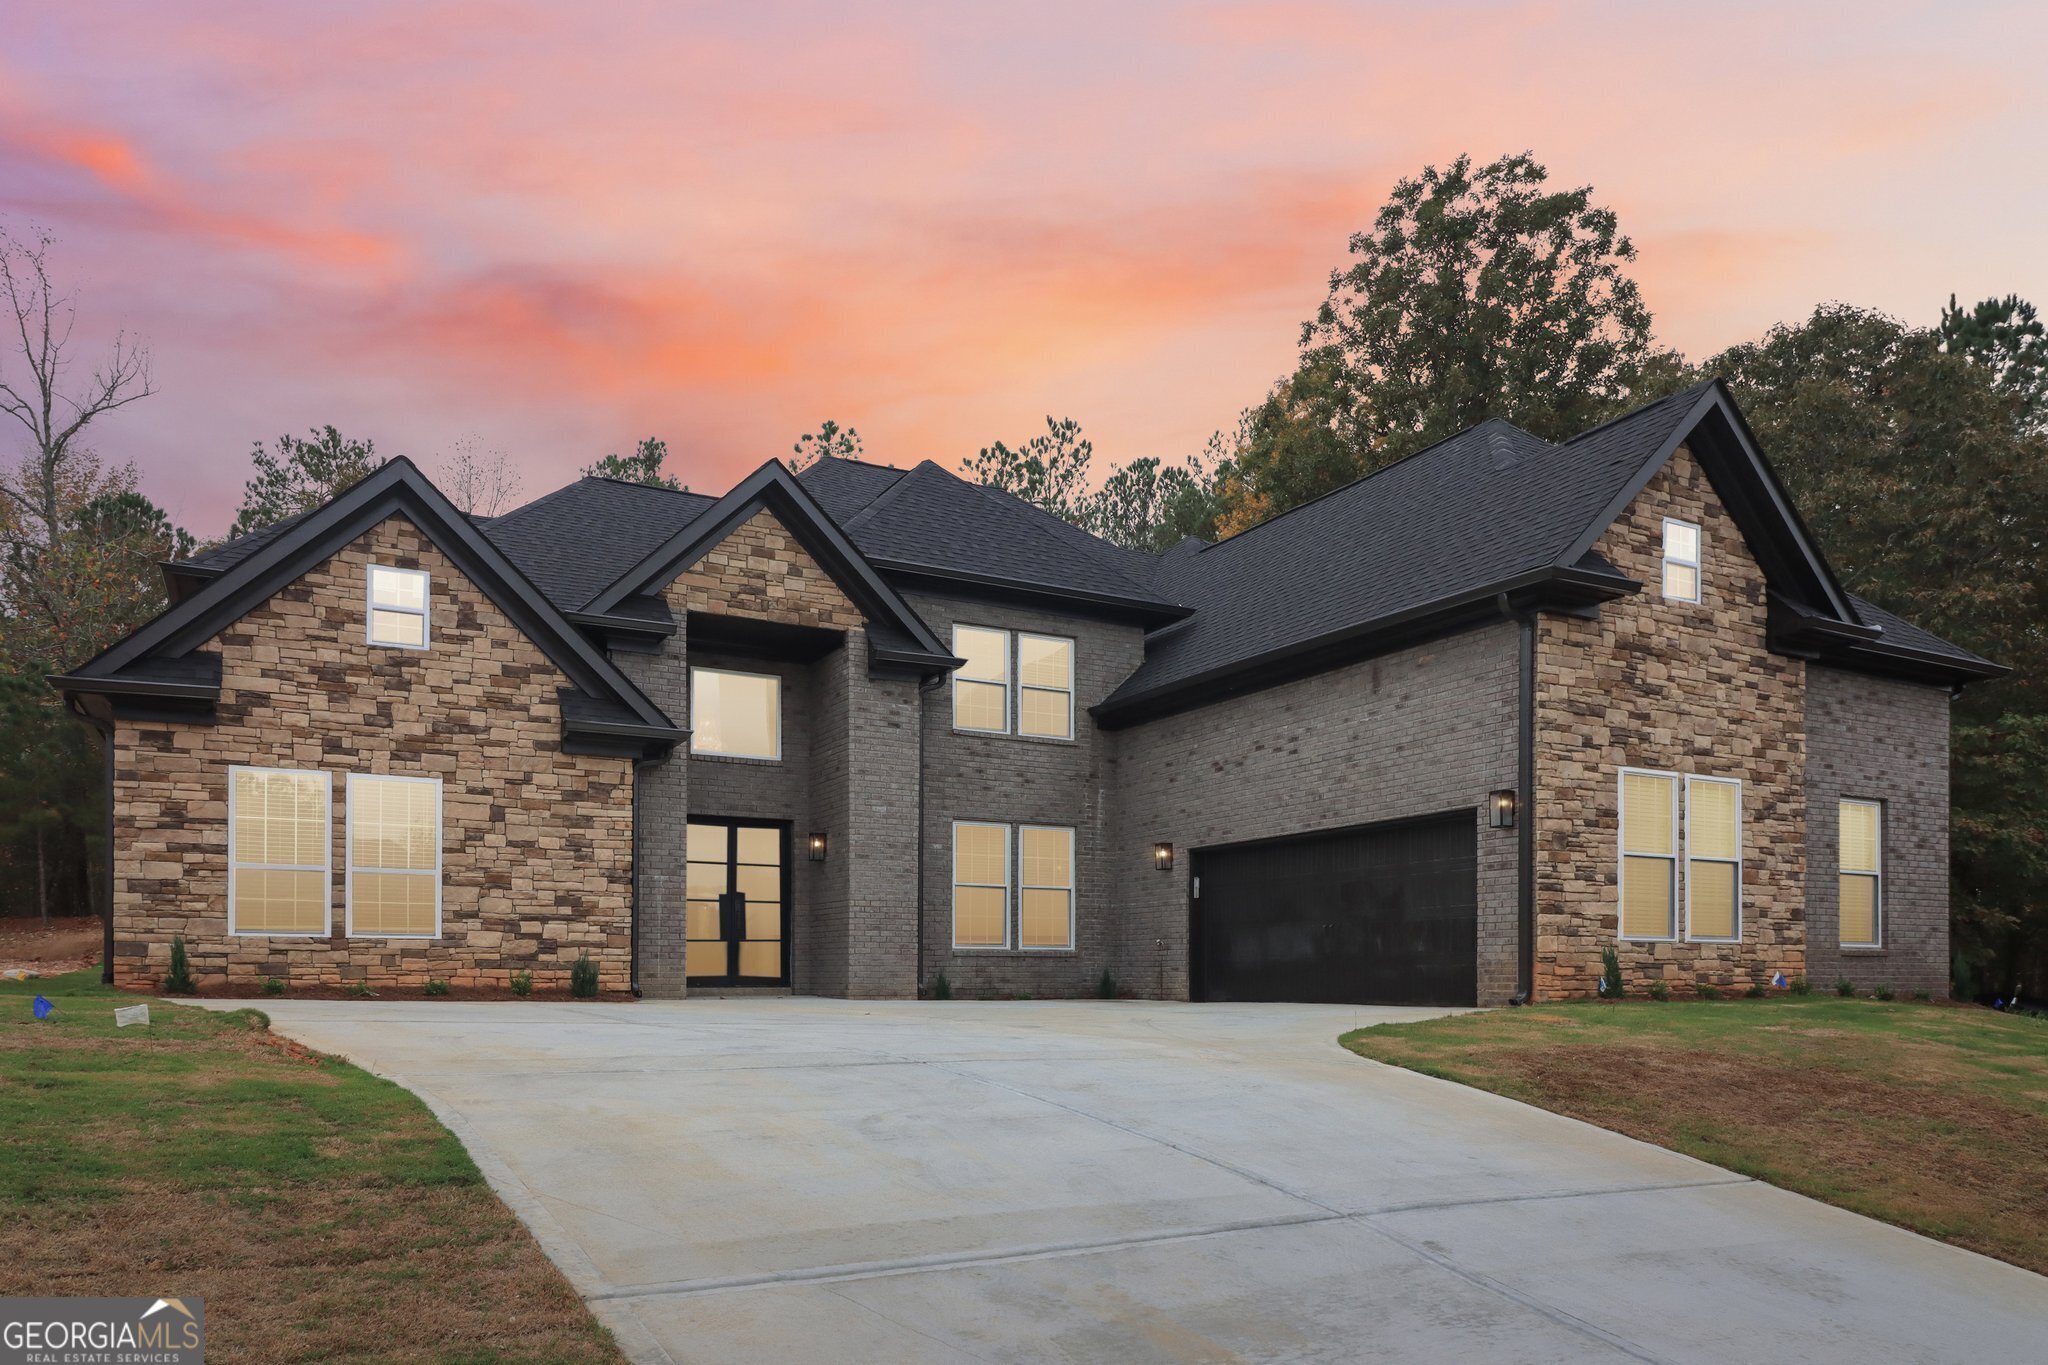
(1045, 885)
(981, 685)
(1649, 855)
(981, 885)
(1713, 858)
(280, 851)
(394, 856)
(1861, 874)
(1681, 560)
(398, 607)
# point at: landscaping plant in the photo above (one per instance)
(1659, 991)
(1610, 973)
(522, 983)
(436, 986)
(273, 985)
(1845, 988)
(583, 977)
(942, 989)
(179, 981)
(1105, 989)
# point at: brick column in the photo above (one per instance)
(881, 831)
(664, 805)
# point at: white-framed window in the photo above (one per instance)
(1681, 560)
(981, 884)
(1860, 874)
(735, 715)
(1649, 855)
(1713, 859)
(1045, 686)
(1045, 887)
(981, 685)
(394, 856)
(280, 852)
(1034, 699)
(398, 606)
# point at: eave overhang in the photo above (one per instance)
(1149, 613)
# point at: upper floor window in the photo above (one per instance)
(394, 856)
(279, 851)
(398, 607)
(735, 715)
(1681, 560)
(1861, 874)
(1041, 683)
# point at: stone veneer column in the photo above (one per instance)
(664, 813)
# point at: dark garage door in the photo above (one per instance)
(1387, 915)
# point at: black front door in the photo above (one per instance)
(1385, 915)
(737, 928)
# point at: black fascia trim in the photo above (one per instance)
(622, 625)
(773, 487)
(1916, 665)
(1793, 628)
(134, 687)
(1545, 589)
(181, 580)
(996, 588)
(921, 660)
(396, 486)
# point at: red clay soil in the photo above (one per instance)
(66, 946)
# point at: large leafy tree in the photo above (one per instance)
(1308, 437)
(1482, 292)
(644, 465)
(300, 474)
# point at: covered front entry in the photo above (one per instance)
(1383, 915)
(738, 890)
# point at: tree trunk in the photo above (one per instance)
(42, 880)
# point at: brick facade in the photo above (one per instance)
(536, 843)
(1680, 687)
(1876, 739)
(1419, 732)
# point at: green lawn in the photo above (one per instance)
(321, 1212)
(1929, 1116)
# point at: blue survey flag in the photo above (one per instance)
(43, 1008)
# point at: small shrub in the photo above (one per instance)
(1659, 991)
(1801, 986)
(1022, 995)
(1923, 995)
(1709, 992)
(1845, 988)
(583, 977)
(360, 990)
(179, 981)
(1883, 992)
(273, 985)
(1610, 974)
(436, 986)
(942, 989)
(522, 983)
(1105, 989)
(1756, 991)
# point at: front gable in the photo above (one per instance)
(762, 572)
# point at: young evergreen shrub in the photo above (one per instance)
(273, 985)
(436, 986)
(942, 989)
(1883, 992)
(179, 982)
(1659, 991)
(1755, 991)
(1801, 986)
(1709, 992)
(1610, 974)
(522, 983)
(583, 977)
(1105, 989)
(360, 990)
(1845, 988)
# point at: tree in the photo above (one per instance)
(1152, 506)
(1477, 294)
(830, 439)
(35, 397)
(1049, 469)
(642, 466)
(1306, 439)
(2007, 338)
(482, 483)
(300, 475)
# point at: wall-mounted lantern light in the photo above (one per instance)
(817, 845)
(1162, 857)
(1501, 809)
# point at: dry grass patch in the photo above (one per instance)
(321, 1212)
(1931, 1117)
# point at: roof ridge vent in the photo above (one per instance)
(1502, 446)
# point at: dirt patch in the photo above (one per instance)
(66, 946)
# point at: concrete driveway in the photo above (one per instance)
(795, 1180)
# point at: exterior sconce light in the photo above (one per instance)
(817, 846)
(1501, 809)
(1162, 857)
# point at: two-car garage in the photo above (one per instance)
(1384, 915)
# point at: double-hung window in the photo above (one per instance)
(1649, 855)
(280, 851)
(988, 860)
(398, 607)
(394, 856)
(1681, 560)
(1034, 699)
(1713, 858)
(1860, 875)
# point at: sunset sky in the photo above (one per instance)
(560, 228)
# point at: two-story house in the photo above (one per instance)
(1442, 735)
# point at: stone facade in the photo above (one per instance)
(1013, 780)
(762, 573)
(1876, 739)
(1680, 687)
(536, 844)
(1419, 732)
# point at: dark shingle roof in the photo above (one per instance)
(229, 553)
(574, 542)
(844, 487)
(1903, 633)
(1476, 509)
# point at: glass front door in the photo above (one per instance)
(738, 920)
